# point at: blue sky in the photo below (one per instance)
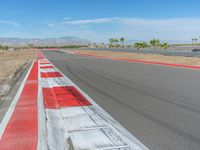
(99, 20)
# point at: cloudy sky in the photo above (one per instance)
(99, 20)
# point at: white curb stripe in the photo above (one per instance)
(42, 131)
(45, 65)
(54, 82)
(48, 70)
(56, 138)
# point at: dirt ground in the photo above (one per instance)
(12, 64)
(146, 57)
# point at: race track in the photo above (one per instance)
(159, 105)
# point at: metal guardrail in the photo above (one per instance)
(186, 53)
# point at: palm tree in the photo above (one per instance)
(139, 45)
(116, 41)
(165, 45)
(196, 40)
(144, 45)
(122, 41)
(111, 42)
(193, 39)
(155, 42)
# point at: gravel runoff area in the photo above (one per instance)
(147, 57)
(13, 63)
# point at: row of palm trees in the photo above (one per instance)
(154, 43)
(3, 47)
(114, 42)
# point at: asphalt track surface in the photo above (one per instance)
(159, 105)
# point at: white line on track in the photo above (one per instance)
(42, 131)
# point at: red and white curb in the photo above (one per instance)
(60, 116)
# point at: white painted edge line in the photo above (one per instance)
(42, 130)
(47, 70)
(120, 129)
(67, 51)
(12, 106)
(45, 65)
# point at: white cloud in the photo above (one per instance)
(164, 24)
(66, 18)
(50, 25)
(174, 29)
(91, 21)
(177, 29)
(84, 26)
(13, 23)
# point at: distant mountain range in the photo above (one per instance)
(69, 40)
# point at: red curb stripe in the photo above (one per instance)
(51, 74)
(144, 61)
(21, 132)
(39, 55)
(68, 96)
(161, 63)
(46, 67)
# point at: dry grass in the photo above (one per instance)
(12, 61)
(12, 64)
(146, 57)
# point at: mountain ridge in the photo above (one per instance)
(67, 40)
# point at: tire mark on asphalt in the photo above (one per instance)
(140, 91)
(178, 132)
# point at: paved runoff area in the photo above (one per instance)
(50, 112)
